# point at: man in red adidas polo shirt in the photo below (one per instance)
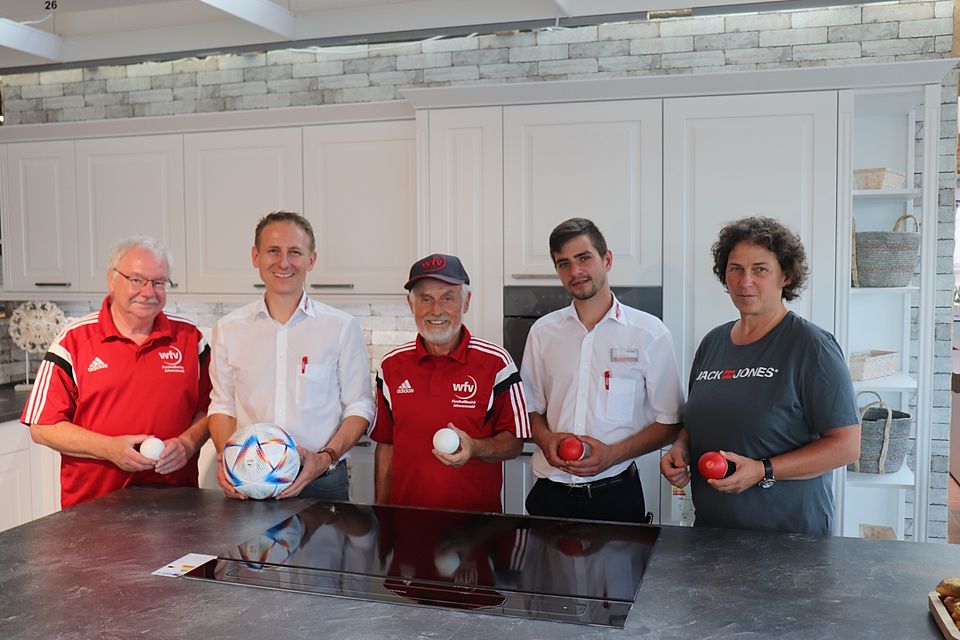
(445, 378)
(114, 378)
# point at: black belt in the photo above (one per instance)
(627, 475)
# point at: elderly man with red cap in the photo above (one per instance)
(445, 378)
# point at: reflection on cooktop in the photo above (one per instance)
(567, 571)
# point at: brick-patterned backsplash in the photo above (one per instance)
(384, 327)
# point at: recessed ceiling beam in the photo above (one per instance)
(18, 36)
(262, 13)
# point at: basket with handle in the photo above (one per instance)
(884, 437)
(885, 258)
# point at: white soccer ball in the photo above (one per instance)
(261, 460)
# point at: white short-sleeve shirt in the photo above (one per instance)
(608, 383)
(306, 375)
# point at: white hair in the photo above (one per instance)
(151, 245)
(464, 291)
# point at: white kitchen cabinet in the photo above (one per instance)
(44, 479)
(729, 157)
(360, 195)
(128, 186)
(15, 500)
(880, 129)
(40, 217)
(29, 477)
(67, 203)
(518, 480)
(463, 209)
(232, 179)
(596, 160)
(360, 467)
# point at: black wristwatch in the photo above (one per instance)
(768, 479)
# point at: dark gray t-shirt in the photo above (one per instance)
(760, 400)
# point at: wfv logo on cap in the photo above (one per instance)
(435, 263)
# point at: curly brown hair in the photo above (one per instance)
(771, 235)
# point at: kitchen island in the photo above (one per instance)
(86, 573)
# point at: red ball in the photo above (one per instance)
(712, 465)
(570, 546)
(571, 448)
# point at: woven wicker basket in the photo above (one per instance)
(884, 438)
(885, 258)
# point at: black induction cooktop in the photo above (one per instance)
(540, 568)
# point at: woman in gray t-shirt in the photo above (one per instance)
(771, 391)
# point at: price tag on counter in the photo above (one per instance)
(183, 565)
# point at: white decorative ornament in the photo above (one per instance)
(33, 326)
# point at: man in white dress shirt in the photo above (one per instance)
(292, 361)
(600, 371)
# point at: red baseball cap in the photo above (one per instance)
(439, 266)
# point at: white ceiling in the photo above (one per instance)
(67, 32)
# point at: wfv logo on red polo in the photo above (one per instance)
(465, 390)
(463, 393)
(171, 359)
(171, 356)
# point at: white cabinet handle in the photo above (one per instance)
(332, 286)
(52, 284)
(533, 276)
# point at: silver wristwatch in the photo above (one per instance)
(334, 458)
(768, 479)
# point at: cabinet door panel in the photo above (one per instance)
(128, 186)
(232, 179)
(360, 468)
(41, 217)
(15, 499)
(464, 210)
(361, 197)
(735, 156)
(593, 160)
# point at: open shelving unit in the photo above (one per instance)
(882, 128)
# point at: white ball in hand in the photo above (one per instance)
(446, 440)
(151, 448)
(447, 563)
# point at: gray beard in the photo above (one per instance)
(436, 336)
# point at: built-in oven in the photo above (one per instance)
(524, 305)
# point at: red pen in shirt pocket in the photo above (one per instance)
(606, 380)
(303, 365)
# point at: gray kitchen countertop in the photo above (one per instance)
(85, 573)
(12, 402)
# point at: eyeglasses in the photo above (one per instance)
(140, 283)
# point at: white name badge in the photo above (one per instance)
(624, 355)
